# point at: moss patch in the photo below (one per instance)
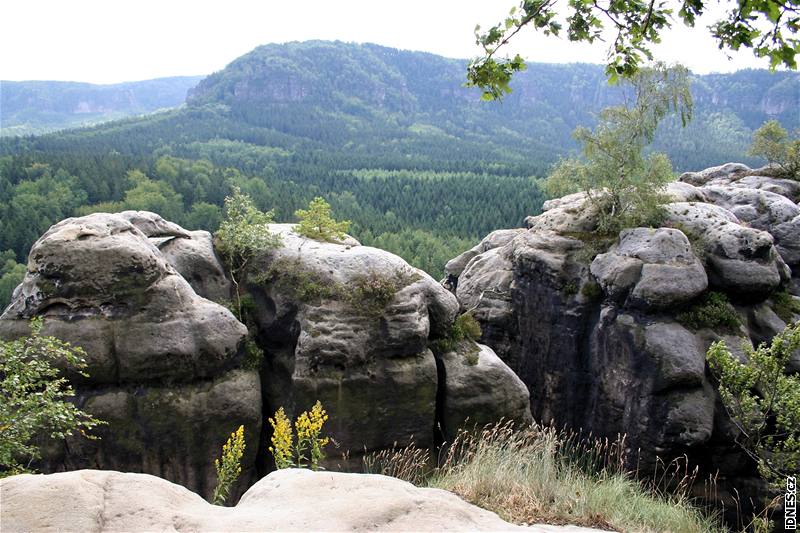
(713, 311)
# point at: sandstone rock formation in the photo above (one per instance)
(480, 389)
(286, 500)
(174, 373)
(163, 362)
(350, 325)
(594, 327)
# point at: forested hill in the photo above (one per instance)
(370, 90)
(391, 138)
(33, 107)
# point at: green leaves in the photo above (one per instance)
(763, 402)
(244, 232)
(35, 397)
(768, 27)
(623, 184)
(773, 143)
(493, 75)
(316, 222)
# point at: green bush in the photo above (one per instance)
(772, 142)
(712, 311)
(763, 402)
(35, 398)
(463, 334)
(304, 285)
(370, 293)
(316, 222)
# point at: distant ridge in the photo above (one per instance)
(35, 107)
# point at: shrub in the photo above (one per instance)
(462, 336)
(244, 231)
(712, 311)
(291, 277)
(229, 466)
(35, 399)
(370, 293)
(316, 222)
(772, 142)
(763, 402)
(592, 291)
(307, 449)
(243, 234)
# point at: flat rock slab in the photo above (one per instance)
(287, 500)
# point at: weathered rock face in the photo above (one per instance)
(162, 360)
(596, 339)
(349, 325)
(171, 372)
(652, 269)
(286, 500)
(480, 389)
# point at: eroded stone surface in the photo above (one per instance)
(287, 500)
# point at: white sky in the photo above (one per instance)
(109, 41)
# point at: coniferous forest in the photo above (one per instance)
(392, 139)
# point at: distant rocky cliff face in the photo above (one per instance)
(605, 341)
(173, 372)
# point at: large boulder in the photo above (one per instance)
(741, 260)
(349, 325)
(655, 269)
(480, 389)
(741, 176)
(766, 211)
(162, 361)
(287, 500)
(495, 239)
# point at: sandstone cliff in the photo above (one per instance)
(173, 372)
(602, 332)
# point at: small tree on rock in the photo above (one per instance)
(623, 182)
(242, 235)
(316, 222)
(771, 141)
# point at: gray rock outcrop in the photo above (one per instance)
(286, 500)
(480, 389)
(350, 326)
(174, 373)
(592, 328)
(163, 362)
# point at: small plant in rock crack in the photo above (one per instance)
(243, 235)
(229, 466)
(463, 334)
(303, 447)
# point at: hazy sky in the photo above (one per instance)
(108, 41)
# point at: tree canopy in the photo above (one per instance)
(768, 27)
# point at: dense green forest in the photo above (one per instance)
(35, 107)
(391, 138)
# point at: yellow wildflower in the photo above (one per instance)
(281, 448)
(229, 466)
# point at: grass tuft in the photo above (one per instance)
(541, 475)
